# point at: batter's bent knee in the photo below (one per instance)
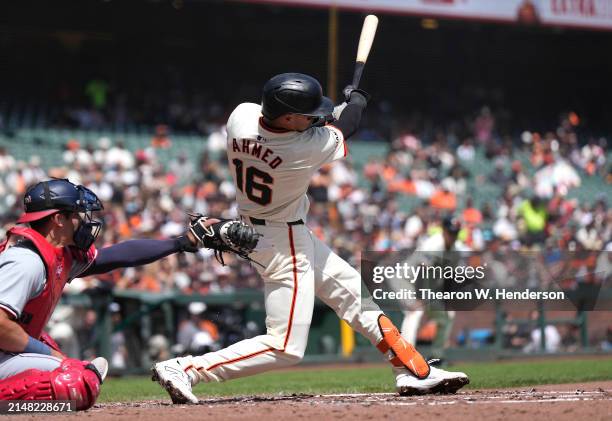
(289, 358)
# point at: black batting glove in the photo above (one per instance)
(356, 96)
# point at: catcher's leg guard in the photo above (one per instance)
(72, 380)
(400, 352)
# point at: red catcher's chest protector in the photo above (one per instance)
(58, 262)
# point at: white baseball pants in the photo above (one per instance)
(298, 267)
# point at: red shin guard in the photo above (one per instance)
(72, 380)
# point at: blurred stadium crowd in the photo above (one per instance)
(508, 194)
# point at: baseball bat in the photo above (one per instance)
(366, 39)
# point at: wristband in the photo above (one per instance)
(184, 244)
(35, 346)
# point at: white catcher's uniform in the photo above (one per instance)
(272, 170)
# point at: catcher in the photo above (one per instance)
(56, 247)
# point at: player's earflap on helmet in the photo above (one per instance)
(295, 93)
(57, 195)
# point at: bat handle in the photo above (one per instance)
(359, 65)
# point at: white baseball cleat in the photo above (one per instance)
(101, 365)
(171, 376)
(439, 381)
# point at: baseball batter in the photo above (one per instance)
(273, 150)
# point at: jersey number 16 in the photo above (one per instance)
(258, 192)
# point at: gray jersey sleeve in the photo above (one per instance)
(22, 277)
(328, 145)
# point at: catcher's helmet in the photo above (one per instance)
(49, 197)
(294, 93)
(52, 196)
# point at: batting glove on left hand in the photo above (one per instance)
(354, 95)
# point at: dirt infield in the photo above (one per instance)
(592, 401)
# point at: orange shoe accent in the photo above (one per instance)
(403, 354)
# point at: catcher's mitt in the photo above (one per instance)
(224, 236)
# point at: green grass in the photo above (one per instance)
(358, 378)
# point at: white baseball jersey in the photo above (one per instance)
(272, 171)
(272, 168)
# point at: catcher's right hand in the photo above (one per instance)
(225, 235)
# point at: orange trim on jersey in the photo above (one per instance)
(264, 126)
(343, 139)
(295, 287)
(244, 357)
